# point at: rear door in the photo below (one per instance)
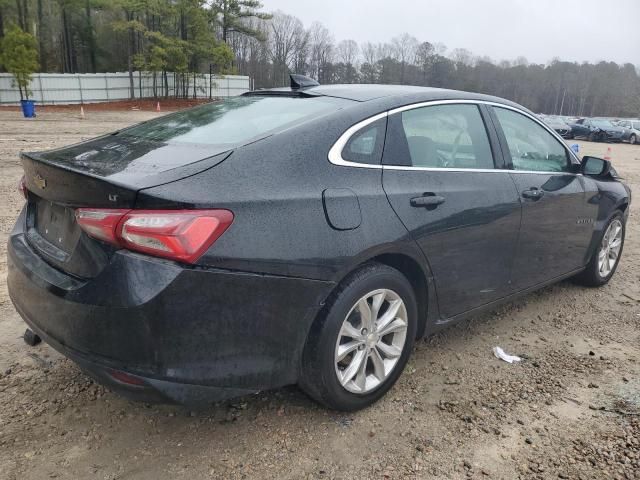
(556, 219)
(441, 179)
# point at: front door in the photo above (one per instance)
(440, 177)
(556, 219)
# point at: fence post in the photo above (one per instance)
(41, 91)
(106, 85)
(80, 87)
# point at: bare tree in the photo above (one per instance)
(369, 67)
(321, 50)
(425, 53)
(287, 38)
(404, 49)
(462, 56)
(347, 53)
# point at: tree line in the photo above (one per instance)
(237, 36)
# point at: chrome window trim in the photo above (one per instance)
(476, 170)
(335, 153)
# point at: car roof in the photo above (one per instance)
(368, 92)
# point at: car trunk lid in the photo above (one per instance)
(103, 173)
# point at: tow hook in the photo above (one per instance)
(30, 338)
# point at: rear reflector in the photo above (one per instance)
(126, 378)
(182, 235)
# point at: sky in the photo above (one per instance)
(573, 30)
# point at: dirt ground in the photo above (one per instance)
(569, 410)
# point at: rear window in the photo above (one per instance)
(234, 121)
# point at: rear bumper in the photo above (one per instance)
(192, 335)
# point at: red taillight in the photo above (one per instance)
(101, 223)
(22, 186)
(182, 235)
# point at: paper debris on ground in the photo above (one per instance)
(500, 353)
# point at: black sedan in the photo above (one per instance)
(559, 125)
(597, 130)
(300, 235)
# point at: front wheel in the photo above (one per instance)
(633, 139)
(605, 260)
(359, 346)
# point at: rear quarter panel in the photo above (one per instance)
(275, 188)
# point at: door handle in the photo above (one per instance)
(533, 193)
(427, 201)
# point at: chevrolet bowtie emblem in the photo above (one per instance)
(39, 181)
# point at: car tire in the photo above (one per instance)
(594, 275)
(337, 373)
(592, 137)
(633, 139)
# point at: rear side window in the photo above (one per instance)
(531, 146)
(440, 136)
(234, 121)
(365, 146)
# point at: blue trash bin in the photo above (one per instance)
(28, 108)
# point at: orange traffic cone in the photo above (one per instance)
(607, 155)
(158, 107)
(81, 112)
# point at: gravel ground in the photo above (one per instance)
(569, 410)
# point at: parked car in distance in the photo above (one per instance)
(597, 130)
(631, 131)
(300, 235)
(559, 125)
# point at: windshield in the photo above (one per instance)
(602, 123)
(234, 121)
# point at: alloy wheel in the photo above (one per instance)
(371, 341)
(610, 248)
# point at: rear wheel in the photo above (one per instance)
(633, 139)
(358, 348)
(606, 258)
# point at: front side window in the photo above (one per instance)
(531, 146)
(440, 136)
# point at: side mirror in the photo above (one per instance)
(596, 167)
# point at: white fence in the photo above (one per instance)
(52, 88)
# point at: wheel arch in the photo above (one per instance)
(415, 270)
(417, 277)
